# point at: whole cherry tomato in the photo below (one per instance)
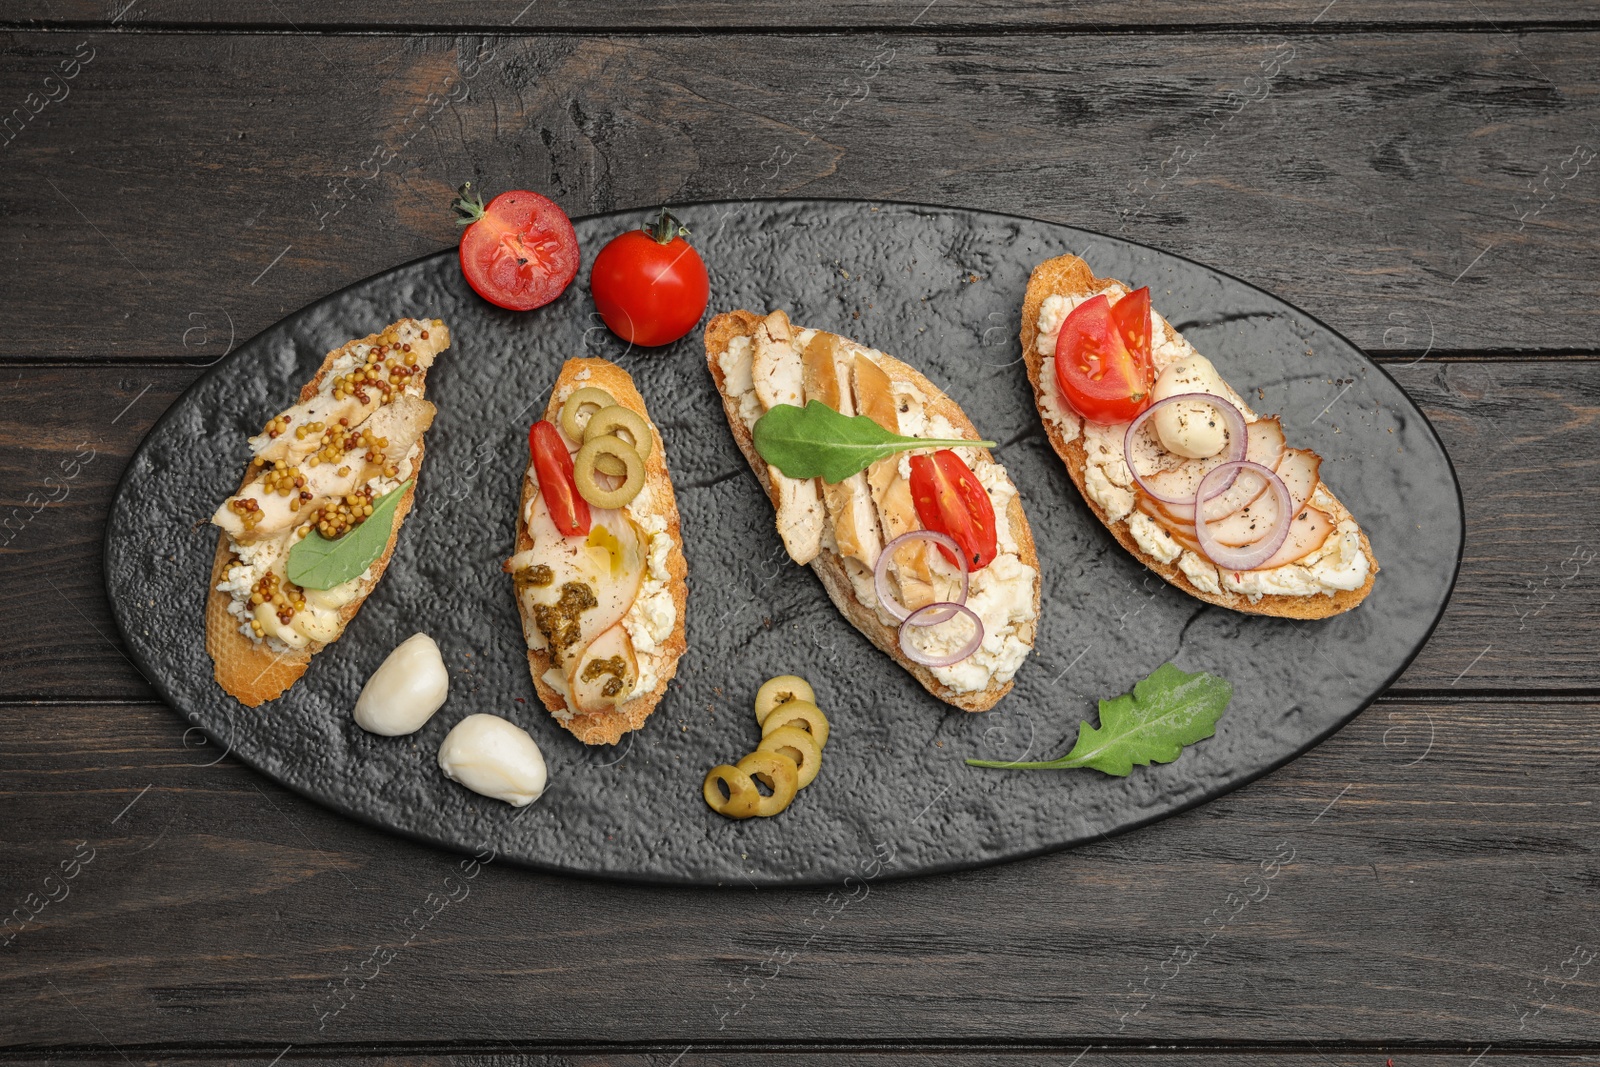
(520, 252)
(650, 286)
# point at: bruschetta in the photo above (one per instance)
(850, 530)
(598, 570)
(1147, 427)
(353, 438)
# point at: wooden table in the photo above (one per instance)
(1420, 175)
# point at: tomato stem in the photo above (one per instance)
(467, 210)
(665, 228)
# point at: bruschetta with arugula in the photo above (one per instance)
(312, 527)
(881, 484)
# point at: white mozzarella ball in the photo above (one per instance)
(406, 689)
(497, 758)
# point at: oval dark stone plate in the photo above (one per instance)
(941, 289)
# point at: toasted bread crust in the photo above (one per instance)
(606, 727)
(828, 565)
(1068, 275)
(248, 670)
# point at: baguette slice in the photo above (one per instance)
(247, 669)
(1070, 276)
(827, 562)
(606, 726)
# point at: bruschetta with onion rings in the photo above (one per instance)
(1171, 459)
(880, 482)
(599, 573)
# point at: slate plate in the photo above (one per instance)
(940, 288)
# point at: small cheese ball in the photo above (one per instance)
(494, 757)
(1190, 428)
(406, 689)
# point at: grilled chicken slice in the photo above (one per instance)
(352, 404)
(779, 378)
(849, 503)
(891, 494)
(401, 423)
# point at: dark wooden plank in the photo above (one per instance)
(1088, 1055)
(68, 433)
(1435, 870)
(858, 15)
(1522, 436)
(1407, 188)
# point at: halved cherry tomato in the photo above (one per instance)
(950, 500)
(552, 464)
(1103, 357)
(520, 252)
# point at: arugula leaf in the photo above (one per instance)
(1165, 712)
(318, 563)
(817, 441)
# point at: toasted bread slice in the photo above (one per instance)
(878, 488)
(1071, 277)
(249, 669)
(606, 725)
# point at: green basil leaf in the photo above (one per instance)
(817, 442)
(318, 563)
(1165, 712)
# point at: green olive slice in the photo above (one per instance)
(616, 417)
(619, 422)
(743, 797)
(583, 472)
(573, 421)
(799, 746)
(781, 690)
(801, 714)
(778, 772)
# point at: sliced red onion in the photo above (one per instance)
(1247, 557)
(1238, 441)
(880, 573)
(945, 610)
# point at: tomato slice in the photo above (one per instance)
(520, 252)
(950, 500)
(552, 464)
(1131, 315)
(1103, 357)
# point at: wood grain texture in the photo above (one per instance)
(1436, 865)
(1522, 436)
(857, 15)
(508, 1054)
(1411, 189)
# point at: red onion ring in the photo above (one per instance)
(1238, 441)
(880, 573)
(946, 610)
(1249, 557)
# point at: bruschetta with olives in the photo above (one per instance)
(296, 557)
(880, 482)
(1174, 462)
(598, 571)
